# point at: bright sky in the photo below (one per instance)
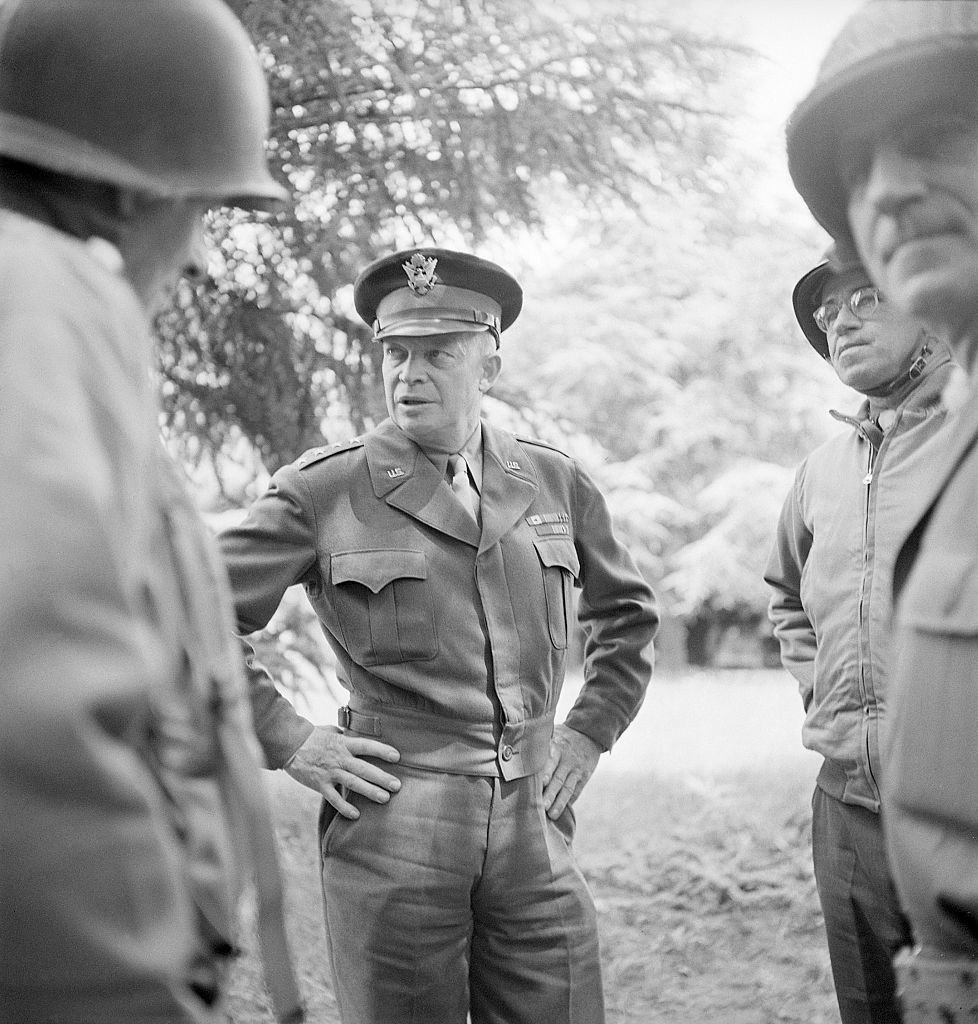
(793, 33)
(792, 37)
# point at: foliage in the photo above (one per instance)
(401, 123)
(593, 150)
(671, 345)
(294, 652)
(722, 569)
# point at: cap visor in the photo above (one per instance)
(424, 328)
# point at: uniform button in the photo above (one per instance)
(507, 753)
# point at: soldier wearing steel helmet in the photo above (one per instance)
(831, 574)
(884, 150)
(130, 790)
(441, 554)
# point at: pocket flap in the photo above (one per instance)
(375, 569)
(942, 596)
(559, 552)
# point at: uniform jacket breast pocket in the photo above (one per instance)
(561, 567)
(382, 598)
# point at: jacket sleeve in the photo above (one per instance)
(272, 549)
(792, 626)
(618, 611)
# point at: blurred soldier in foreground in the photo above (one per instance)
(885, 152)
(440, 555)
(851, 505)
(131, 802)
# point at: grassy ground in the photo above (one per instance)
(700, 868)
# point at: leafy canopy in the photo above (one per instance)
(400, 123)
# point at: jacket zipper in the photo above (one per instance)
(872, 459)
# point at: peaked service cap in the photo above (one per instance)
(424, 291)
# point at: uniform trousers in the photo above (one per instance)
(863, 921)
(459, 896)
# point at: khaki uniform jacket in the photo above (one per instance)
(852, 503)
(124, 840)
(930, 794)
(455, 638)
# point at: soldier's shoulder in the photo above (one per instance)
(537, 443)
(313, 456)
(543, 453)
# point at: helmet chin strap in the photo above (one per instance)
(907, 380)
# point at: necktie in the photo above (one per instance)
(461, 485)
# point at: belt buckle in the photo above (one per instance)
(343, 717)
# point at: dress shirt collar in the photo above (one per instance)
(472, 453)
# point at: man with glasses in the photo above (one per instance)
(852, 501)
(884, 150)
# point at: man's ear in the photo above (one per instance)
(491, 368)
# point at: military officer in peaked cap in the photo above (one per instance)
(441, 555)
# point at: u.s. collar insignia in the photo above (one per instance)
(395, 472)
(420, 272)
(512, 464)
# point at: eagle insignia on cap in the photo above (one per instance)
(420, 272)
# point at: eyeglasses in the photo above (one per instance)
(862, 303)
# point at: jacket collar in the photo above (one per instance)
(922, 396)
(509, 484)
(961, 437)
(403, 476)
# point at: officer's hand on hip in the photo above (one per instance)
(331, 762)
(573, 758)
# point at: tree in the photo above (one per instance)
(590, 149)
(400, 123)
(671, 345)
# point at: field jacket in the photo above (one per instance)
(853, 501)
(451, 639)
(131, 804)
(930, 797)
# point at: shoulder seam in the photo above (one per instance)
(313, 455)
(541, 444)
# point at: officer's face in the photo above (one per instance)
(434, 385)
(913, 208)
(870, 350)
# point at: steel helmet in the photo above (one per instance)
(887, 57)
(806, 296)
(163, 96)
